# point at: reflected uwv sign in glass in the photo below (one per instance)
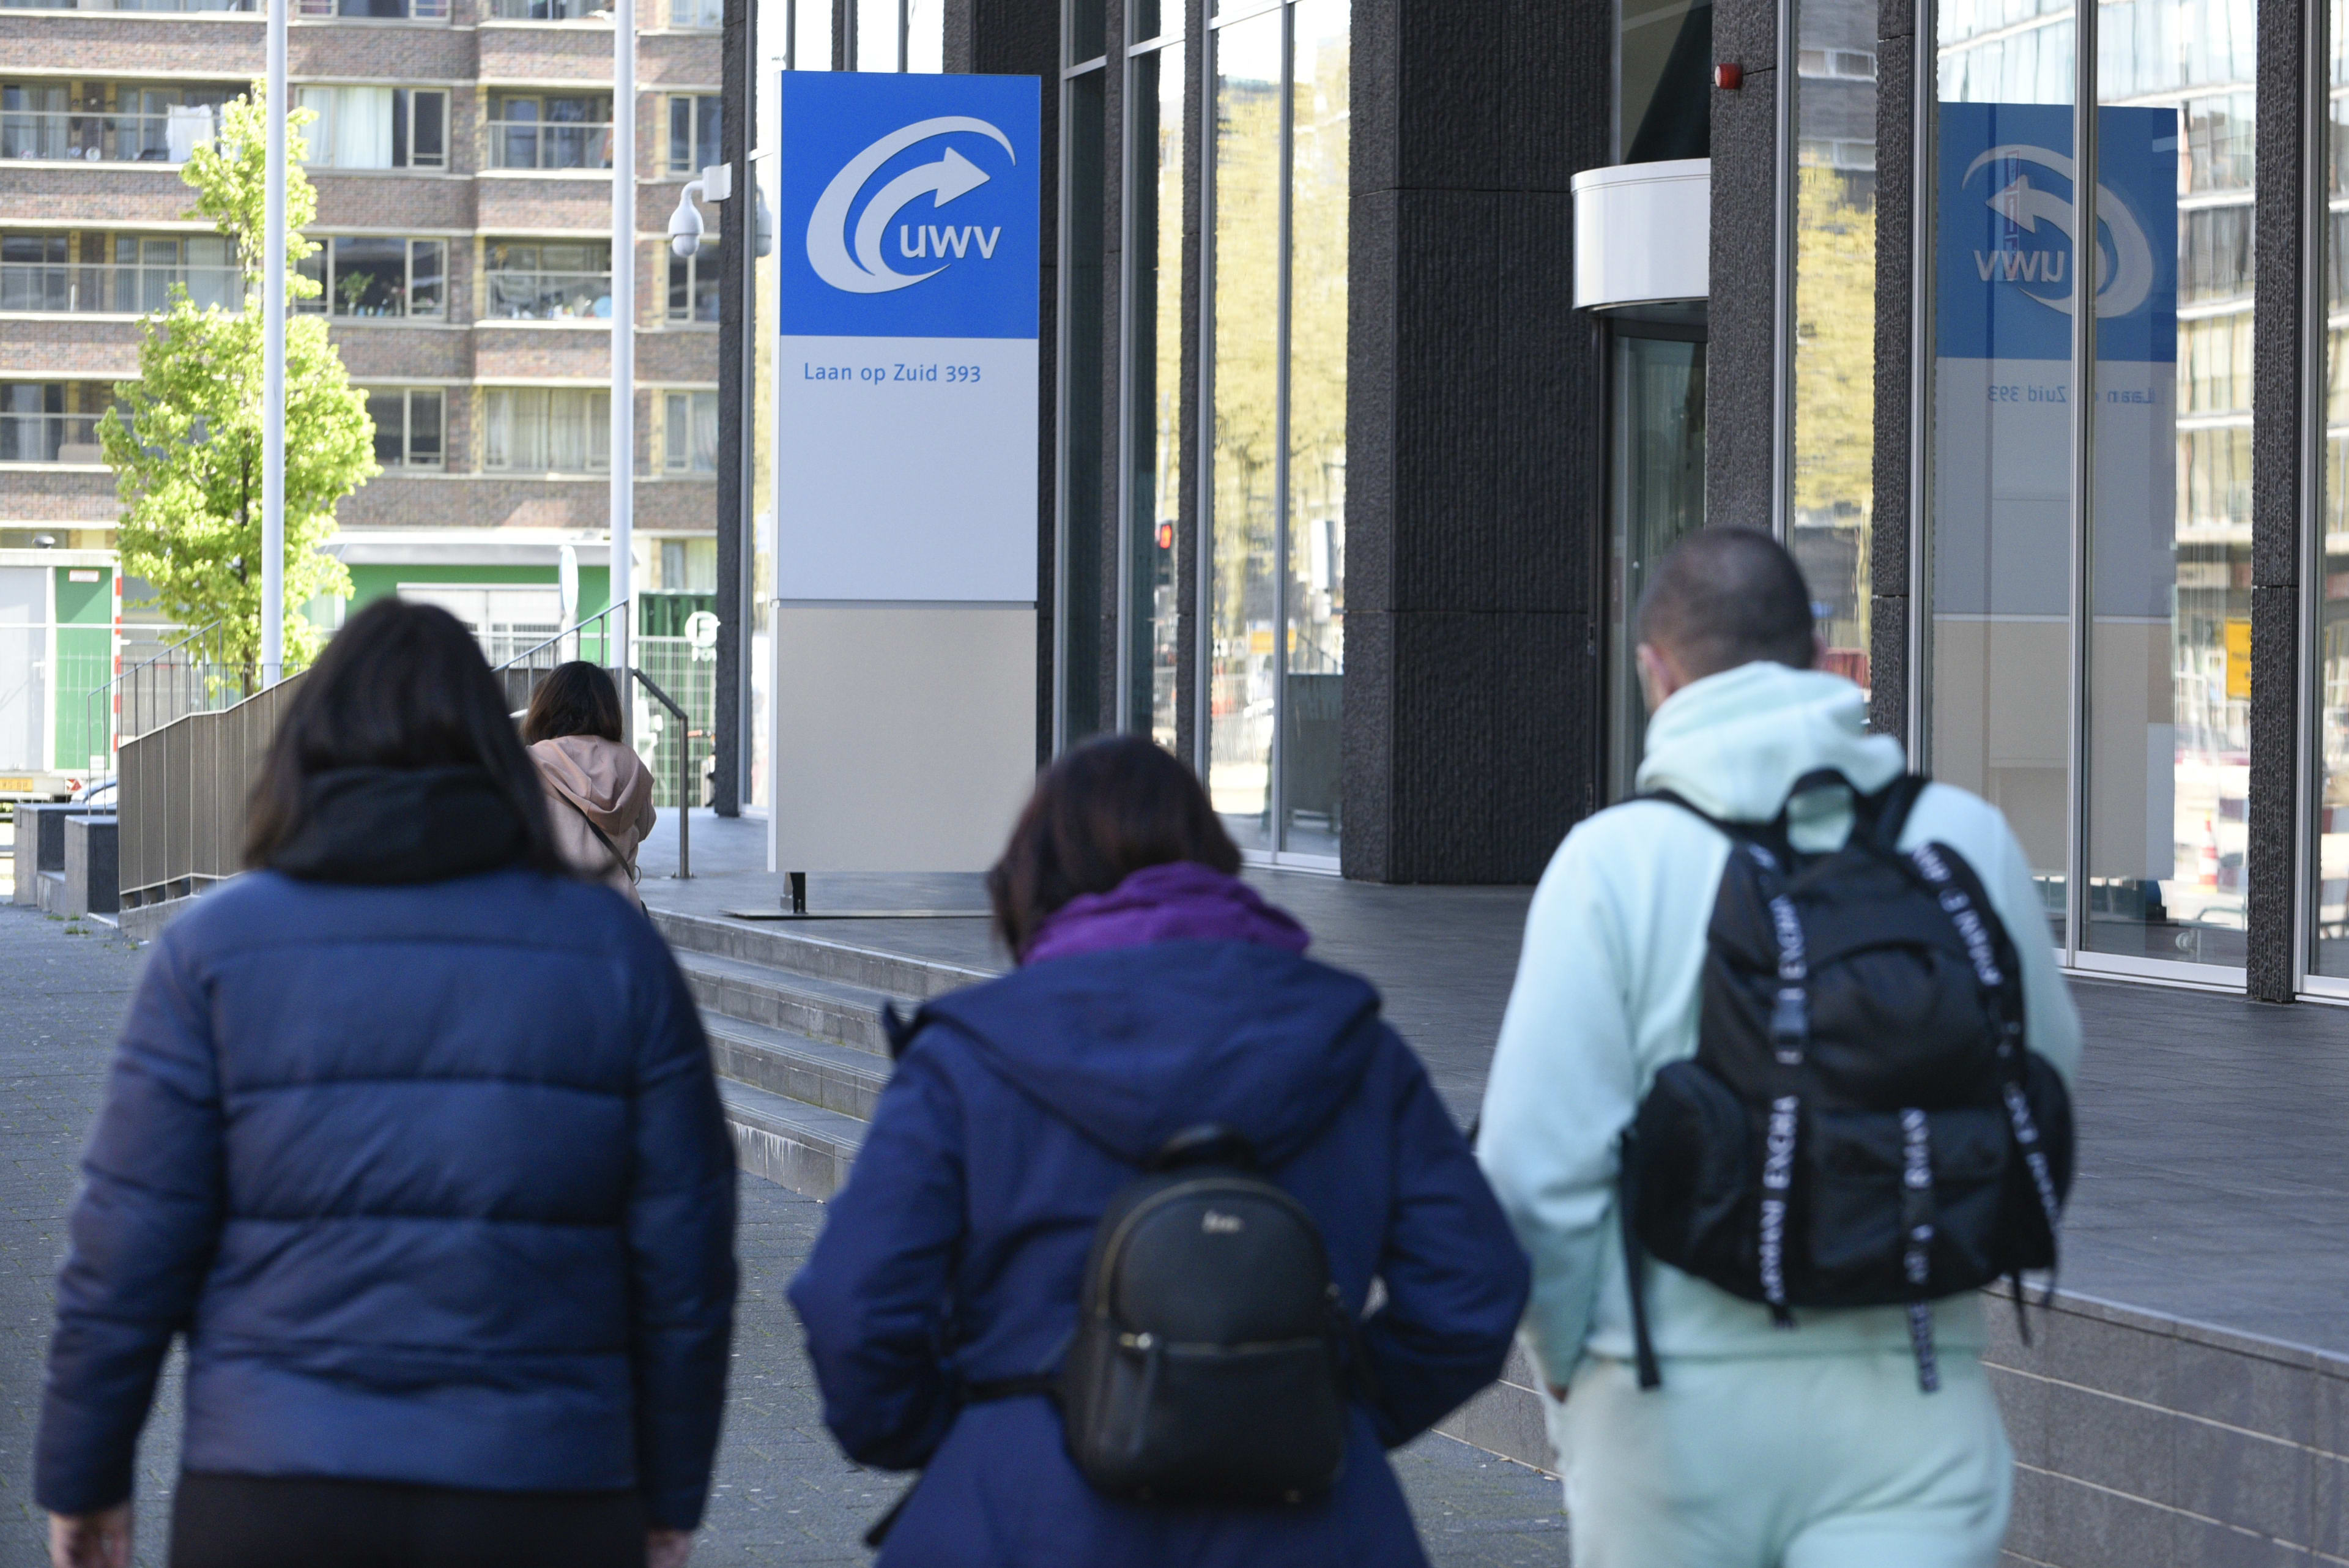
(2012, 247)
(907, 370)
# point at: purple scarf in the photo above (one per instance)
(1180, 901)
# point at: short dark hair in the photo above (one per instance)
(574, 698)
(1104, 811)
(402, 685)
(1726, 597)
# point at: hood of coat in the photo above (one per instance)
(602, 778)
(1732, 745)
(1181, 900)
(389, 827)
(1134, 1044)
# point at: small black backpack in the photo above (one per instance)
(1211, 1352)
(1862, 1123)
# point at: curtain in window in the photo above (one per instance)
(353, 129)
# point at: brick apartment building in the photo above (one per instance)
(461, 157)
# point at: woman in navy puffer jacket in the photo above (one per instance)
(414, 1138)
(1155, 993)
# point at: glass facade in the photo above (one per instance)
(1273, 571)
(1153, 388)
(1831, 512)
(2088, 651)
(2327, 561)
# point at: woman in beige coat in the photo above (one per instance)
(599, 794)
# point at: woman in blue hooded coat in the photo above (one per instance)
(1155, 993)
(412, 1135)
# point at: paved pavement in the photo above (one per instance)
(783, 1494)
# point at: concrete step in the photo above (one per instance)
(838, 1078)
(825, 1011)
(798, 950)
(804, 1147)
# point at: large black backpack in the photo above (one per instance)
(1862, 1123)
(1210, 1358)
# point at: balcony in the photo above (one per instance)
(537, 144)
(50, 438)
(115, 290)
(245, 6)
(547, 295)
(65, 136)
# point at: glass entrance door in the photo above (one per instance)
(1656, 440)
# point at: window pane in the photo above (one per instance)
(680, 135)
(370, 275)
(388, 411)
(431, 139)
(1314, 637)
(2169, 645)
(2001, 453)
(1088, 30)
(1155, 386)
(1835, 331)
(424, 429)
(675, 434)
(427, 277)
(1246, 498)
(1086, 595)
(926, 36)
(876, 34)
(1663, 56)
(2329, 903)
(812, 45)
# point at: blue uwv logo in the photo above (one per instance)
(854, 258)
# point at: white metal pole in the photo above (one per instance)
(623, 316)
(272, 362)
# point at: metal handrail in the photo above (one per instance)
(684, 774)
(91, 707)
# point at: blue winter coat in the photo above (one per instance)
(955, 1253)
(434, 1179)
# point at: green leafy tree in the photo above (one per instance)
(185, 437)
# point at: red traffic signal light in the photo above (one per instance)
(1166, 536)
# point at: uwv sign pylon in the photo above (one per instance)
(907, 370)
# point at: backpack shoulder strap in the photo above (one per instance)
(1884, 815)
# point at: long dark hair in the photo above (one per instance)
(575, 699)
(1104, 811)
(401, 685)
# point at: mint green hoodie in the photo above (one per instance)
(1607, 993)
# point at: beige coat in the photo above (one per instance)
(593, 780)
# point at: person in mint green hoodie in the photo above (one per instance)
(1765, 1447)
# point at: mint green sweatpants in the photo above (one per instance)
(1795, 1461)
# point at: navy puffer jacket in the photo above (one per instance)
(435, 1180)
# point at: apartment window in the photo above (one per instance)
(525, 280)
(377, 127)
(543, 130)
(376, 276)
(693, 283)
(379, 10)
(103, 122)
(545, 10)
(547, 430)
(407, 425)
(711, 14)
(51, 422)
(693, 126)
(690, 432)
(145, 266)
(126, 275)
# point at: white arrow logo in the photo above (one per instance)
(2122, 286)
(868, 272)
